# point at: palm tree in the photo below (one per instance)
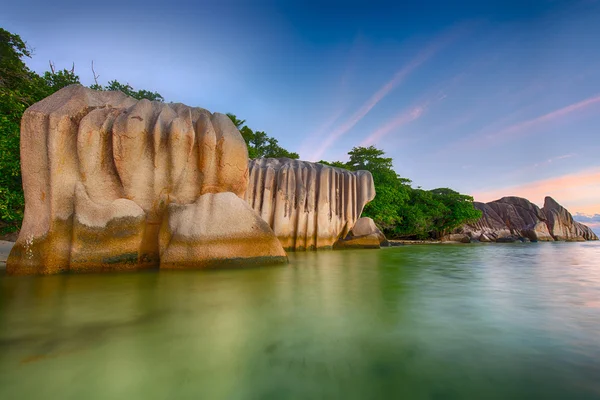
(237, 122)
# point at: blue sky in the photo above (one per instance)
(490, 98)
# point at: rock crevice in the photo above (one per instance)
(308, 205)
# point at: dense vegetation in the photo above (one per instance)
(19, 88)
(259, 143)
(402, 211)
(399, 209)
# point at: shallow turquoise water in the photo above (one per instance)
(497, 321)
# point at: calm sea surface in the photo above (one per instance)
(479, 321)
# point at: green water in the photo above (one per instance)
(498, 321)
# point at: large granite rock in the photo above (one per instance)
(515, 218)
(561, 224)
(308, 205)
(192, 237)
(102, 172)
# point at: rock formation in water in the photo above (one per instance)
(515, 218)
(308, 205)
(364, 235)
(112, 183)
(561, 224)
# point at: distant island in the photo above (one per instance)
(511, 219)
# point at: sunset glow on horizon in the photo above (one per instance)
(578, 192)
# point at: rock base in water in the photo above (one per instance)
(103, 173)
(361, 242)
(365, 235)
(512, 219)
(217, 230)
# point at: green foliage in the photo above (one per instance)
(337, 164)
(18, 90)
(369, 158)
(459, 209)
(12, 201)
(259, 143)
(402, 211)
(55, 81)
(13, 71)
(239, 123)
(129, 91)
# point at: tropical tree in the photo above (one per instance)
(129, 91)
(399, 209)
(259, 143)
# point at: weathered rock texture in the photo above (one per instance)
(308, 205)
(561, 224)
(515, 218)
(103, 174)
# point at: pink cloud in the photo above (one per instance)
(550, 161)
(509, 131)
(578, 192)
(401, 120)
(383, 91)
(548, 117)
(309, 142)
(480, 139)
(411, 113)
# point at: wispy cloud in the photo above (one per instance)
(404, 118)
(383, 91)
(519, 128)
(491, 135)
(309, 143)
(578, 191)
(556, 114)
(311, 140)
(553, 159)
(413, 112)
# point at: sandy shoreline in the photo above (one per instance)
(399, 242)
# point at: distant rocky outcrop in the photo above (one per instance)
(515, 218)
(561, 224)
(112, 183)
(308, 205)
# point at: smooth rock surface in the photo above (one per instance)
(100, 169)
(308, 205)
(365, 226)
(217, 230)
(513, 218)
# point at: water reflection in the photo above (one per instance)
(480, 321)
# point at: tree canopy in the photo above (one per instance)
(402, 211)
(129, 91)
(259, 143)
